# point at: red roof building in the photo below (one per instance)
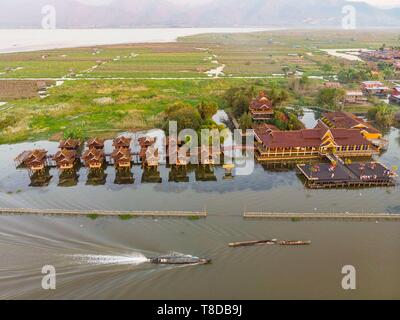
(261, 108)
(311, 143)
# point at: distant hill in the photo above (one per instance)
(218, 13)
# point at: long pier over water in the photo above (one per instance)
(322, 216)
(110, 213)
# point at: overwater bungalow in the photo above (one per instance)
(69, 144)
(36, 160)
(65, 159)
(122, 142)
(261, 108)
(93, 158)
(122, 157)
(146, 142)
(151, 157)
(95, 143)
(311, 143)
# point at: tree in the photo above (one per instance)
(238, 99)
(278, 96)
(245, 121)
(186, 116)
(331, 97)
(327, 68)
(383, 114)
(207, 109)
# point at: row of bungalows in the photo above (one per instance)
(311, 143)
(149, 154)
(122, 154)
(94, 156)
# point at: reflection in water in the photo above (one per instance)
(151, 175)
(205, 173)
(68, 178)
(124, 176)
(178, 174)
(40, 178)
(96, 177)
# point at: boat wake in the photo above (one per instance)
(132, 259)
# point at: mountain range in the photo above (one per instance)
(217, 13)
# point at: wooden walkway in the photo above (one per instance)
(323, 216)
(151, 214)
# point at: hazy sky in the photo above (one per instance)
(373, 2)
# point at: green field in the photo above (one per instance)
(138, 104)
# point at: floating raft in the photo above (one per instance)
(152, 214)
(323, 216)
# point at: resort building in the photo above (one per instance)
(94, 158)
(311, 143)
(261, 108)
(151, 157)
(347, 120)
(375, 88)
(35, 160)
(355, 97)
(122, 157)
(65, 159)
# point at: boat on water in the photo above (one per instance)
(294, 243)
(269, 242)
(252, 243)
(181, 260)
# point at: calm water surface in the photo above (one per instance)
(105, 257)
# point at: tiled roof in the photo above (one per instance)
(348, 120)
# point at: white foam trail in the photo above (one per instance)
(134, 259)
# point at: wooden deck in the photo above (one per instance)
(110, 213)
(322, 216)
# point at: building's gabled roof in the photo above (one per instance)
(93, 154)
(69, 144)
(121, 154)
(36, 155)
(95, 143)
(65, 154)
(347, 120)
(122, 142)
(261, 103)
(147, 141)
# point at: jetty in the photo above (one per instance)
(109, 213)
(322, 216)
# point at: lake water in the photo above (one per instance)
(19, 40)
(105, 257)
